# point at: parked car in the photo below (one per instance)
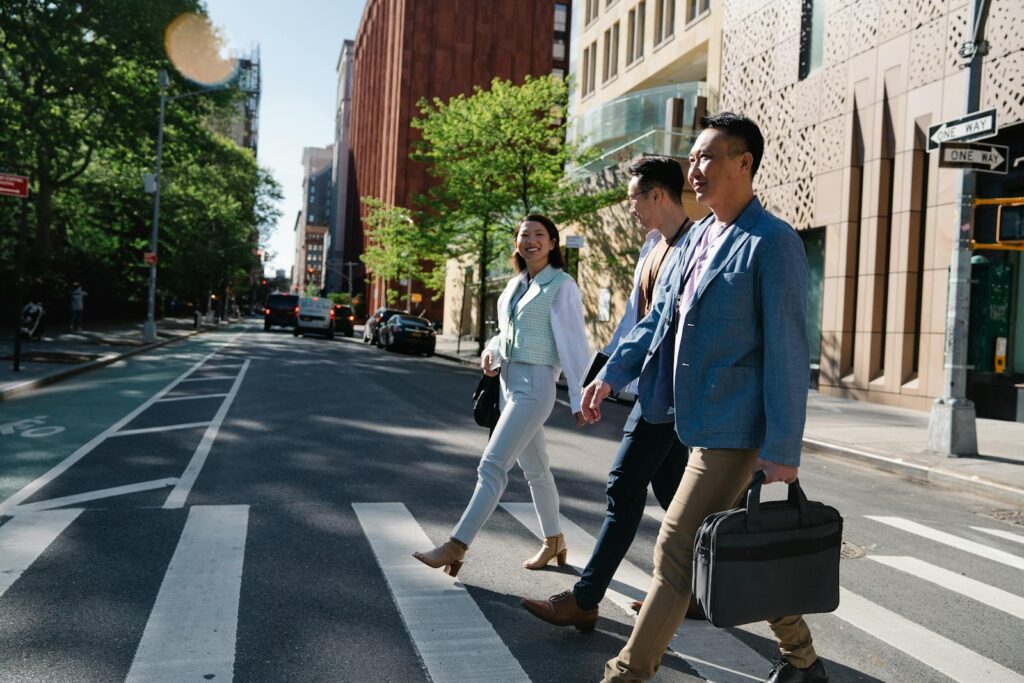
(344, 319)
(371, 330)
(316, 316)
(408, 332)
(280, 310)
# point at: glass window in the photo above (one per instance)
(812, 36)
(561, 18)
(611, 52)
(664, 20)
(559, 50)
(695, 8)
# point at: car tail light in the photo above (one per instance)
(332, 314)
(296, 310)
(267, 311)
(351, 317)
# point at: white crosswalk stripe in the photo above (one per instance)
(24, 538)
(451, 634)
(999, 533)
(714, 653)
(976, 590)
(938, 652)
(191, 631)
(951, 540)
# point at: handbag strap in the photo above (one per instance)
(796, 498)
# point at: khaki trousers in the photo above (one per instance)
(713, 480)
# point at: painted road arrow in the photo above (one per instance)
(975, 156)
(980, 124)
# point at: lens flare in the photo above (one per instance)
(199, 50)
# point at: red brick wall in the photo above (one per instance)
(410, 49)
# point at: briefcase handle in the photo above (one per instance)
(796, 497)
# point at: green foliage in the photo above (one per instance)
(79, 103)
(397, 248)
(499, 154)
(341, 298)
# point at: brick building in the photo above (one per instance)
(406, 51)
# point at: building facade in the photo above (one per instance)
(313, 220)
(645, 72)
(341, 266)
(845, 92)
(432, 48)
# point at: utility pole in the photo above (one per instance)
(952, 429)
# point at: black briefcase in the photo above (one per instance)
(597, 362)
(485, 401)
(768, 560)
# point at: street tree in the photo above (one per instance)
(498, 154)
(396, 247)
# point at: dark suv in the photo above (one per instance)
(344, 317)
(371, 331)
(280, 310)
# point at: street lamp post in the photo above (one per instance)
(149, 329)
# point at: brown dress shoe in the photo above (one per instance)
(693, 612)
(562, 610)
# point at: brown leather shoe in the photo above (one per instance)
(562, 610)
(693, 612)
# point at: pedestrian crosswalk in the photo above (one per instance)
(194, 618)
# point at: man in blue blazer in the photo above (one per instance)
(723, 354)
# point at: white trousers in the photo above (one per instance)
(527, 398)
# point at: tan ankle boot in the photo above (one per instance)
(448, 555)
(554, 547)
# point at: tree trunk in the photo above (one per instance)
(482, 293)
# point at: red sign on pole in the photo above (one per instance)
(149, 257)
(13, 185)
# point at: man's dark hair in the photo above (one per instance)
(664, 173)
(554, 258)
(741, 128)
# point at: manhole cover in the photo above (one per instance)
(1008, 516)
(850, 551)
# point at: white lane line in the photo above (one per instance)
(24, 538)
(941, 654)
(161, 428)
(190, 635)
(975, 590)
(95, 495)
(191, 398)
(451, 634)
(714, 653)
(179, 494)
(1009, 536)
(32, 487)
(209, 378)
(957, 542)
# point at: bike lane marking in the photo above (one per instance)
(83, 404)
(24, 538)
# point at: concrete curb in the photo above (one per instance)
(921, 473)
(39, 382)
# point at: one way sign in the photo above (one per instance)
(975, 156)
(974, 126)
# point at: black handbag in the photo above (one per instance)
(597, 361)
(768, 560)
(485, 401)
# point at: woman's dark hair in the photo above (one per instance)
(554, 257)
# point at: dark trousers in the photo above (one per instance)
(648, 454)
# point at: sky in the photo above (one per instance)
(299, 45)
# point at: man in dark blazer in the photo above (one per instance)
(724, 353)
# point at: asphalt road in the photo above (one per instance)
(242, 504)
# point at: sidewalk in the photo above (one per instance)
(890, 439)
(63, 354)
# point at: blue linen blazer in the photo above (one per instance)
(743, 366)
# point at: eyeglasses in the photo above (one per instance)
(632, 197)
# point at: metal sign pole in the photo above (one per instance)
(951, 429)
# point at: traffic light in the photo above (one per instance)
(999, 224)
